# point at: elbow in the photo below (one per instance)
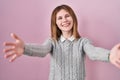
(92, 57)
(43, 55)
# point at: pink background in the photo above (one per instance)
(99, 20)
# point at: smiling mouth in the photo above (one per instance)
(65, 24)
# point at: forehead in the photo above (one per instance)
(62, 12)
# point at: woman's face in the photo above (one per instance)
(64, 21)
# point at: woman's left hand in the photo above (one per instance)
(115, 55)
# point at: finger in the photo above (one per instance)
(118, 60)
(8, 50)
(8, 55)
(9, 44)
(118, 45)
(117, 64)
(14, 36)
(13, 58)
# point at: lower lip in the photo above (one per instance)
(66, 25)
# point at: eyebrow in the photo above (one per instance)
(65, 14)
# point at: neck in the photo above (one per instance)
(67, 34)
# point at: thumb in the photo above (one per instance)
(14, 36)
(118, 46)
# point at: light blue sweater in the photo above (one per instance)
(67, 56)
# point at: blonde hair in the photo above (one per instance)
(55, 31)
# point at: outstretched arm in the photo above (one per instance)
(38, 50)
(115, 55)
(97, 53)
(18, 48)
(14, 49)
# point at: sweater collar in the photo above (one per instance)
(62, 39)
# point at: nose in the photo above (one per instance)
(64, 19)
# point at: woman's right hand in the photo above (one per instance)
(14, 49)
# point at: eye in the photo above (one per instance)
(67, 15)
(59, 18)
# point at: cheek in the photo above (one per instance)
(72, 22)
(58, 23)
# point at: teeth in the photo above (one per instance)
(65, 24)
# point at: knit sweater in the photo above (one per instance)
(67, 56)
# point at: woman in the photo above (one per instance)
(66, 47)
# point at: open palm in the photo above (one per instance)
(115, 55)
(14, 49)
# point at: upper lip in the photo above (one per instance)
(65, 24)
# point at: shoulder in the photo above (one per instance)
(50, 40)
(83, 40)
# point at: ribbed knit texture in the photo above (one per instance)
(67, 58)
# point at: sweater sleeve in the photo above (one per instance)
(38, 50)
(95, 53)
